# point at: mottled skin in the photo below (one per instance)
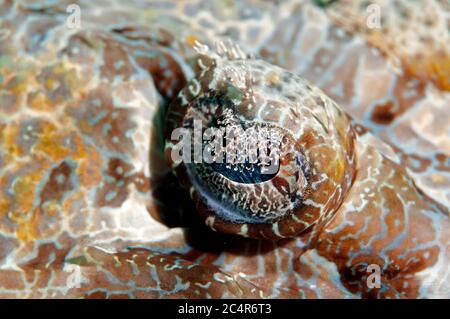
(83, 175)
(362, 208)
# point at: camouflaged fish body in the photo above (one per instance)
(356, 196)
(85, 173)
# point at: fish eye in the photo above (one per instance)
(268, 155)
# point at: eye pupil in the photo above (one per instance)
(244, 173)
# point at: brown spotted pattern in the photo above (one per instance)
(84, 185)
